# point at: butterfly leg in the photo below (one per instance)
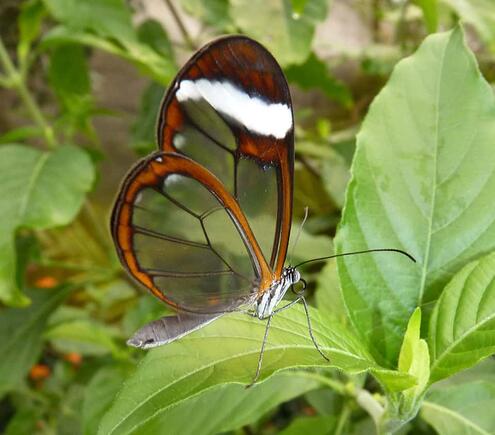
(260, 358)
(310, 329)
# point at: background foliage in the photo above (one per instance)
(81, 83)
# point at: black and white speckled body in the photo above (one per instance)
(271, 298)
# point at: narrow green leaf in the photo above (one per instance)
(285, 32)
(430, 13)
(314, 74)
(414, 359)
(226, 351)
(143, 130)
(39, 190)
(462, 326)
(21, 330)
(461, 409)
(423, 172)
(29, 21)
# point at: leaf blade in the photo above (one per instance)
(462, 326)
(426, 188)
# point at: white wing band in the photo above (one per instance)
(253, 113)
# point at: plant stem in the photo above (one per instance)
(366, 400)
(185, 34)
(14, 78)
(343, 419)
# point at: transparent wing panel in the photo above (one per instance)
(187, 243)
(257, 193)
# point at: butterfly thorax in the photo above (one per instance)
(269, 300)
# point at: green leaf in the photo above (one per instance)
(40, 190)
(422, 180)
(234, 406)
(29, 21)
(414, 359)
(430, 13)
(106, 18)
(314, 74)
(152, 33)
(215, 13)
(328, 294)
(226, 351)
(319, 425)
(84, 337)
(143, 131)
(23, 422)
(99, 394)
(286, 33)
(147, 60)
(462, 326)
(21, 330)
(461, 409)
(68, 72)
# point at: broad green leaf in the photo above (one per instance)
(462, 326)
(286, 33)
(39, 190)
(465, 409)
(414, 359)
(84, 337)
(318, 425)
(335, 174)
(234, 406)
(422, 180)
(314, 74)
(106, 18)
(430, 13)
(328, 294)
(226, 351)
(21, 332)
(479, 13)
(99, 394)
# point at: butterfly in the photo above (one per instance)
(204, 222)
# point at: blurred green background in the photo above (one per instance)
(80, 86)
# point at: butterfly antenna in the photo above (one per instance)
(299, 231)
(399, 251)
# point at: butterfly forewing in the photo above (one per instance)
(230, 110)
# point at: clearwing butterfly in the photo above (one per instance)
(204, 222)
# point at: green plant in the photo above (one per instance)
(399, 335)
